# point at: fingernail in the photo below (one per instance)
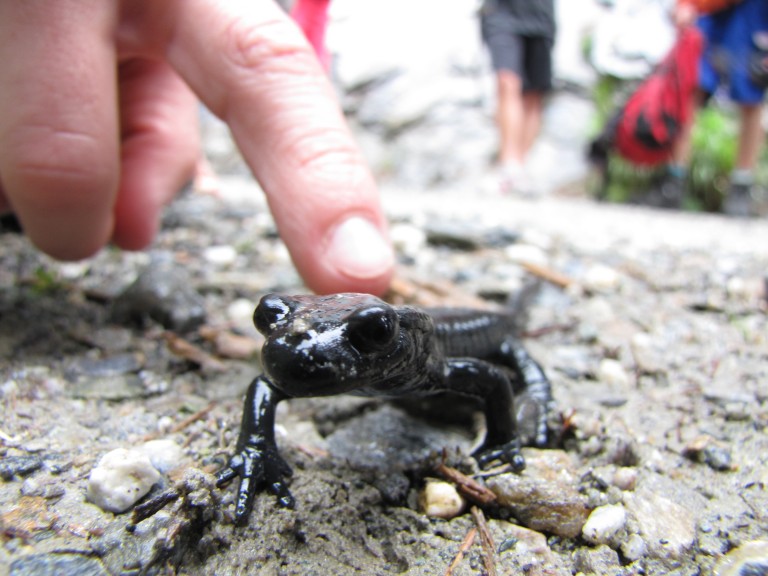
(359, 250)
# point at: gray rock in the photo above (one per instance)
(56, 564)
(18, 466)
(601, 560)
(522, 551)
(388, 438)
(668, 529)
(164, 292)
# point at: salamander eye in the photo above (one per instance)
(373, 329)
(272, 310)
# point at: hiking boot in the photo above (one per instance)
(739, 202)
(668, 193)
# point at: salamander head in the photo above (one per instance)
(325, 345)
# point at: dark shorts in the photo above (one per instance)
(530, 57)
(728, 48)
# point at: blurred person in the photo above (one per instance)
(733, 32)
(98, 129)
(520, 35)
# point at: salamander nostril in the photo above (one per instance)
(373, 329)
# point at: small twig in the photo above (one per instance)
(550, 275)
(544, 330)
(489, 555)
(468, 486)
(188, 351)
(466, 544)
(192, 418)
(153, 506)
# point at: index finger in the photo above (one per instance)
(253, 68)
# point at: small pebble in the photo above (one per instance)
(611, 372)
(240, 313)
(440, 499)
(633, 548)
(165, 424)
(601, 278)
(220, 255)
(604, 524)
(164, 455)
(407, 239)
(625, 478)
(121, 479)
(526, 254)
(647, 357)
(707, 450)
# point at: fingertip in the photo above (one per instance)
(67, 218)
(356, 257)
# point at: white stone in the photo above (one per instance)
(625, 478)
(164, 455)
(441, 500)
(611, 372)
(604, 524)
(645, 353)
(633, 548)
(240, 313)
(526, 254)
(121, 479)
(408, 239)
(601, 278)
(220, 255)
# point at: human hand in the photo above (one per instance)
(98, 128)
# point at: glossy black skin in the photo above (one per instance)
(358, 344)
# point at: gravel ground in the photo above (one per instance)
(651, 326)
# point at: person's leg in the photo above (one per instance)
(750, 136)
(510, 115)
(740, 200)
(533, 109)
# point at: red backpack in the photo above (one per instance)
(647, 126)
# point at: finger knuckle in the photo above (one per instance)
(267, 47)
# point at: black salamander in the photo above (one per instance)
(358, 344)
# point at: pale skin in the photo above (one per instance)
(98, 128)
(518, 117)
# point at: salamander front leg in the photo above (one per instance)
(533, 391)
(479, 379)
(256, 459)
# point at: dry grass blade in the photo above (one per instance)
(489, 549)
(466, 544)
(470, 488)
